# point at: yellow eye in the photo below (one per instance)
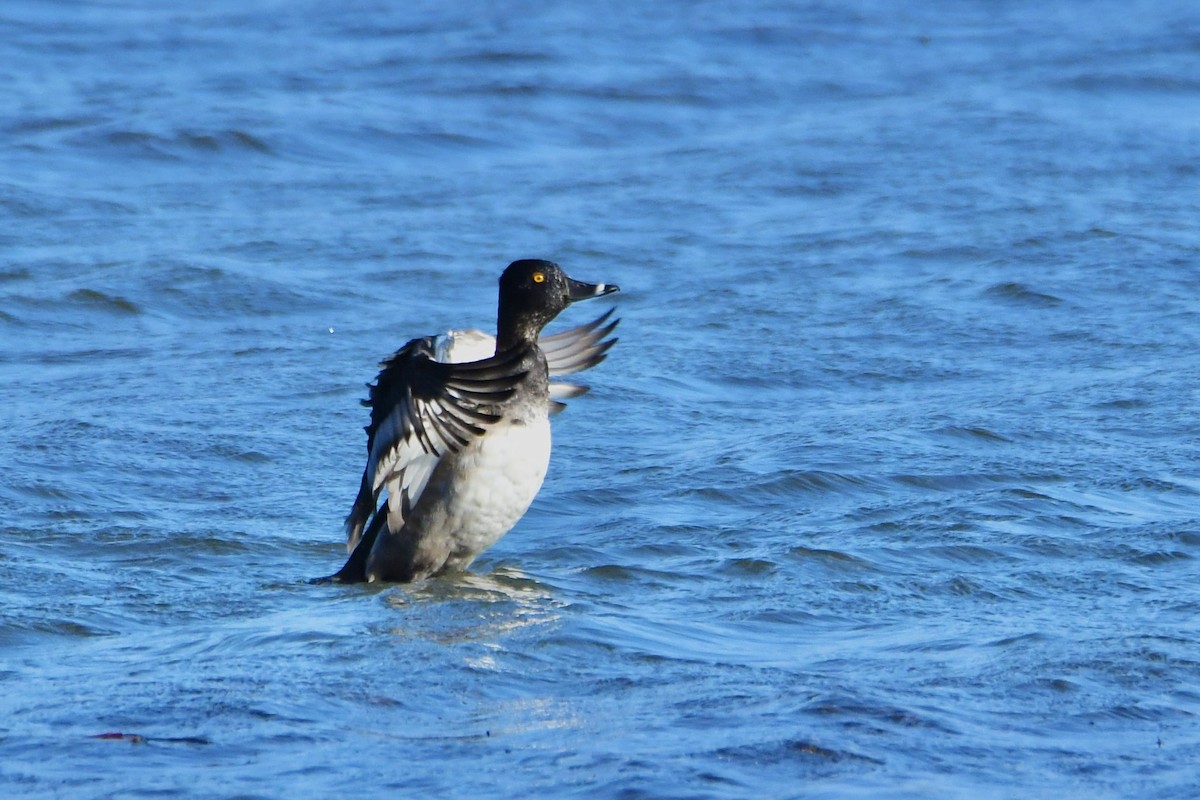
(539, 277)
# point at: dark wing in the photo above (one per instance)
(575, 350)
(422, 409)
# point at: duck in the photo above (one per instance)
(458, 442)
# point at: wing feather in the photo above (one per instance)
(579, 348)
(422, 409)
(574, 350)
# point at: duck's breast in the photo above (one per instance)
(491, 484)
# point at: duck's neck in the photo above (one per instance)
(515, 330)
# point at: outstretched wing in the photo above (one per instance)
(574, 350)
(422, 409)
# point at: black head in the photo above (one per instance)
(533, 292)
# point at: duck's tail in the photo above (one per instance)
(355, 568)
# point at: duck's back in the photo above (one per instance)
(459, 347)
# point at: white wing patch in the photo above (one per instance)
(405, 486)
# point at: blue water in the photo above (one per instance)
(890, 489)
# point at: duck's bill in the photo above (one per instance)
(578, 290)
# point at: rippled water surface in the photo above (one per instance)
(890, 489)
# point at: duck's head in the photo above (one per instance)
(533, 292)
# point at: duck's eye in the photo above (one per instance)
(539, 277)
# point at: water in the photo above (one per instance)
(889, 490)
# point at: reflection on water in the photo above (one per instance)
(483, 608)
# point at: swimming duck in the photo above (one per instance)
(459, 438)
